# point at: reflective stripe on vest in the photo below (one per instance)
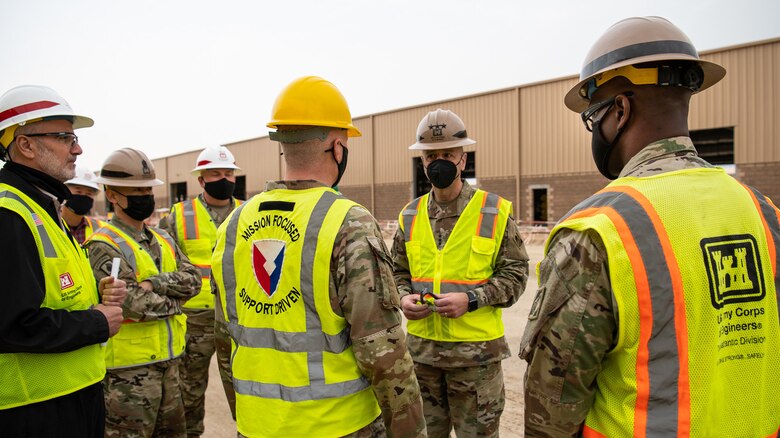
(465, 262)
(313, 341)
(48, 246)
(196, 231)
(69, 285)
(771, 220)
(638, 237)
(658, 346)
(124, 350)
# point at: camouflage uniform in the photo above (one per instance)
(451, 373)
(201, 343)
(145, 400)
(573, 322)
(362, 291)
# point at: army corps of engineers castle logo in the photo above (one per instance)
(733, 269)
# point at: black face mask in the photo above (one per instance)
(221, 189)
(139, 207)
(442, 173)
(602, 149)
(80, 204)
(342, 165)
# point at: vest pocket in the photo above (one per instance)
(137, 343)
(413, 257)
(481, 257)
(197, 248)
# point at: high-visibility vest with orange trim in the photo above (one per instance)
(143, 343)
(694, 278)
(196, 234)
(294, 370)
(27, 378)
(92, 226)
(465, 262)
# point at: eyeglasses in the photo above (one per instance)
(68, 138)
(589, 115)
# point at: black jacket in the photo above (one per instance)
(26, 327)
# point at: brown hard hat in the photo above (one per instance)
(128, 168)
(441, 129)
(634, 41)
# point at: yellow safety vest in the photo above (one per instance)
(294, 371)
(143, 343)
(28, 378)
(92, 226)
(465, 262)
(196, 233)
(695, 282)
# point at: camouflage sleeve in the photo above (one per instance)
(510, 274)
(184, 283)
(365, 293)
(140, 304)
(401, 273)
(571, 327)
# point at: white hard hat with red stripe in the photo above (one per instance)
(32, 103)
(215, 157)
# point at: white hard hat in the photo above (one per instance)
(27, 103)
(441, 129)
(215, 157)
(83, 178)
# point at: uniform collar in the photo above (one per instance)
(668, 147)
(138, 236)
(293, 185)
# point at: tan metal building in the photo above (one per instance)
(530, 149)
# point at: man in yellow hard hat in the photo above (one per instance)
(54, 315)
(193, 224)
(657, 309)
(78, 205)
(460, 245)
(305, 283)
(143, 398)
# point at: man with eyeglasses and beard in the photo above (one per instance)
(78, 205)
(459, 260)
(193, 224)
(143, 397)
(657, 309)
(54, 314)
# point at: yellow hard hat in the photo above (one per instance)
(312, 101)
(128, 167)
(635, 41)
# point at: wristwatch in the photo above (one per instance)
(473, 304)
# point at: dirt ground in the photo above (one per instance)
(219, 424)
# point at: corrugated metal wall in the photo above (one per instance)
(552, 138)
(527, 131)
(748, 99)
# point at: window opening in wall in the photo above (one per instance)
(540, 205)
(240, 191)
(716, 146)
(178, 192)
(421, 184)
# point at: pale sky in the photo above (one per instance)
(172, 76)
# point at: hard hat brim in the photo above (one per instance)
(713, 73)
(441, 145)
(352, 131)
(121, 183)
(196, 171)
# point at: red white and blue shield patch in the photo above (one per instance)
(267, 260)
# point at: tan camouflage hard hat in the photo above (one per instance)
(128, 168)
(441, 129)
(633, 41)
